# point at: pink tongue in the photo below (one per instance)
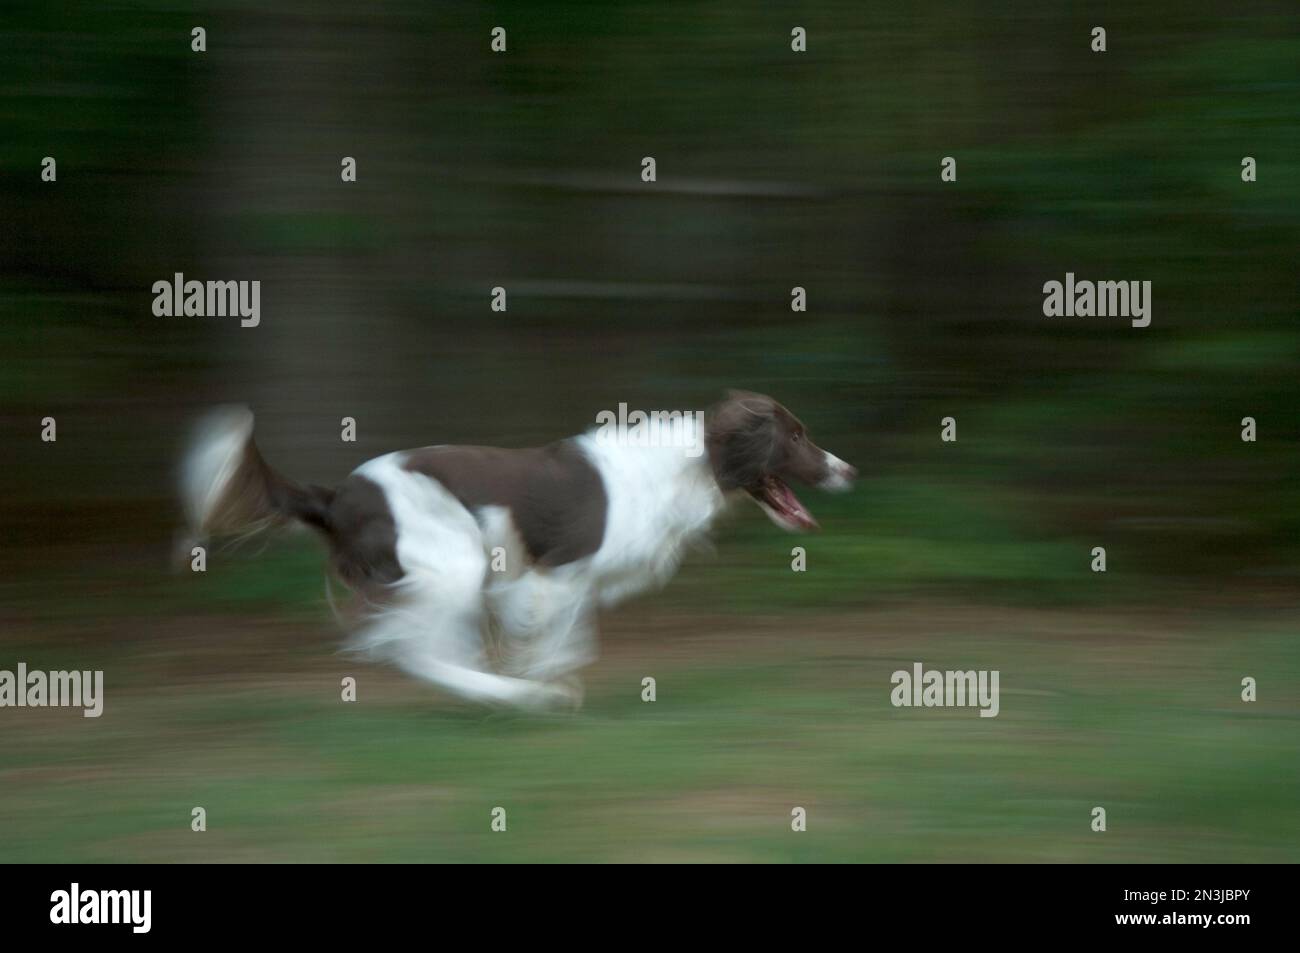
(797, 510)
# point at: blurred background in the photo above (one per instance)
(775, 170)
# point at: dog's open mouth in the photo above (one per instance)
(781, 505)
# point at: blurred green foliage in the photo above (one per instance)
(776, 169)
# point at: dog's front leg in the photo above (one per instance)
(546, 620)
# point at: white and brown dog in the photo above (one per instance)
(482, 568)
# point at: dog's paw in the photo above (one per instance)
(559, 695)
(571, 691)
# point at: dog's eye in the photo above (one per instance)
(796, 436)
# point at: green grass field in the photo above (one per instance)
(1134, 711)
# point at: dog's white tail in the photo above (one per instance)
(226, 487)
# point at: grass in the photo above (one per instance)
(1137, 713)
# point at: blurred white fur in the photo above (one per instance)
(215, 454)
(450, 601)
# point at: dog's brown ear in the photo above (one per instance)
(740, 436)
(748, 402)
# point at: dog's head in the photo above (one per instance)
(758, 446)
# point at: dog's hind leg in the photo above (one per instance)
(480, 686)
(432, 620)
(438, 639)
(436, 635)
